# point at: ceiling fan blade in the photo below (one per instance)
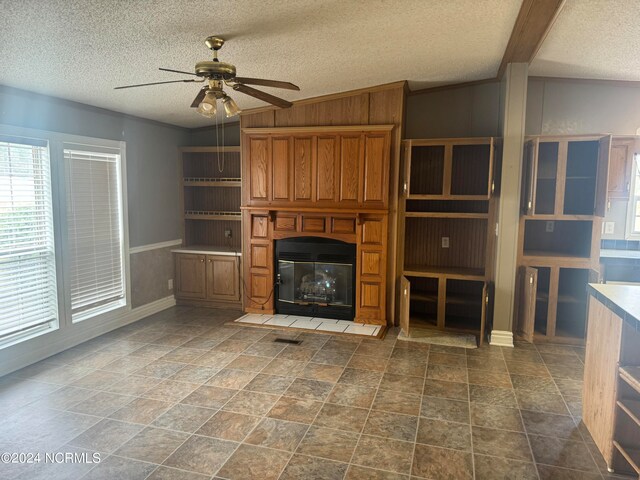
(266, 83)
(199, 97)
(264, 96)
(154, 83)
(176, 71)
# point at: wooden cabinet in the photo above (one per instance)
(191, 276)
(341, 167)
(212, 278)
(563, 199)
(565, 176)
(620, 164)
(448, 211)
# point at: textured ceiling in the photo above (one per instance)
(593, 39)
(80, 50)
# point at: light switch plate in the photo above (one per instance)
(170, 284)
(445, 242)
(609, 228)
(550, 226)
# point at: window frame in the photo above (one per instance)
(632, 213)
(56, 143)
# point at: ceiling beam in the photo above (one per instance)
(532, 25)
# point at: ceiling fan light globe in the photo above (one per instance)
(208, 106)
(230, 107)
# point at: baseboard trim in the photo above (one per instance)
(501, 338)
(17, 362)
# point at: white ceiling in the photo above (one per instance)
(592, 39)
(80, 50)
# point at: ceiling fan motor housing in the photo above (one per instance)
(215, 70)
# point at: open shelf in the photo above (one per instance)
(568, 238)
(461, 273)
(212, 215)
(208, 164)
(631, 408)
(470, 169)
(631, 375)
(451, 207)
(427, 170)
(211, 182)
(423, 306)
(631, 455)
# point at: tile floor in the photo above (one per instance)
(181, 395)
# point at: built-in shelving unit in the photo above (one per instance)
(446, 230)
(208, 265)
(627, 428)
(563, 202)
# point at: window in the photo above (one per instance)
(28, 290)
(633, 225)
(95, 238)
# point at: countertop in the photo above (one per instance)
(611, 253)
(209, 250)
(623, 300)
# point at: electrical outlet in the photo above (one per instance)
(550, 226)
(170, 284)
(609, 228)
(228, 233)
(445, 242)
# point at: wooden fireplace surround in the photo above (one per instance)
(330, 182)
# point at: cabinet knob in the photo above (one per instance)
(202, 260)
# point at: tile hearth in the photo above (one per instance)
(311, 323)
(185, 395)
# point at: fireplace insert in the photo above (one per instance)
(315, 277)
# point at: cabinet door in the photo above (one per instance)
(602, 180)
(327, 169)
(528, 177)
(259, 169)
(281, 173)
(405, 302)
(527, 316)
(376, 165)
(222, 277)
(620, 161)
(350, 153)
(303, 168)
(190, 276)
(486, 312)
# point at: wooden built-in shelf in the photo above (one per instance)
(631, 408)
(417, 196)
(212, 215)
(631, 375)
(632, 455)
(454, 273)
(211, 182)
(561, 298)
(461, 215)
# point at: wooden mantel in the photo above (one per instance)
(330, 182)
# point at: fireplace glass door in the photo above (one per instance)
(325, 284)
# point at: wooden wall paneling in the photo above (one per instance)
(446, 177)
(351, 151)
(303, 168)
(467, 242)
(327, 168)
(282, 158)
(204, 232)
(346, 110)
(601, 375)
(265, 119)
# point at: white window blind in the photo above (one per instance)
(95, 230)
(28, 298)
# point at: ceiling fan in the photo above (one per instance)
(217, 74)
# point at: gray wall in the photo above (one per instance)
(562, 107)
(204, 137)
(152, 155)
(472, 111)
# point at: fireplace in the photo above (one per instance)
(315, 277)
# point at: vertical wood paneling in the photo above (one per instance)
(302, 167)
(258, 168)
(347, 110)
(327, 170)
(349, 168)
(281, 159)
